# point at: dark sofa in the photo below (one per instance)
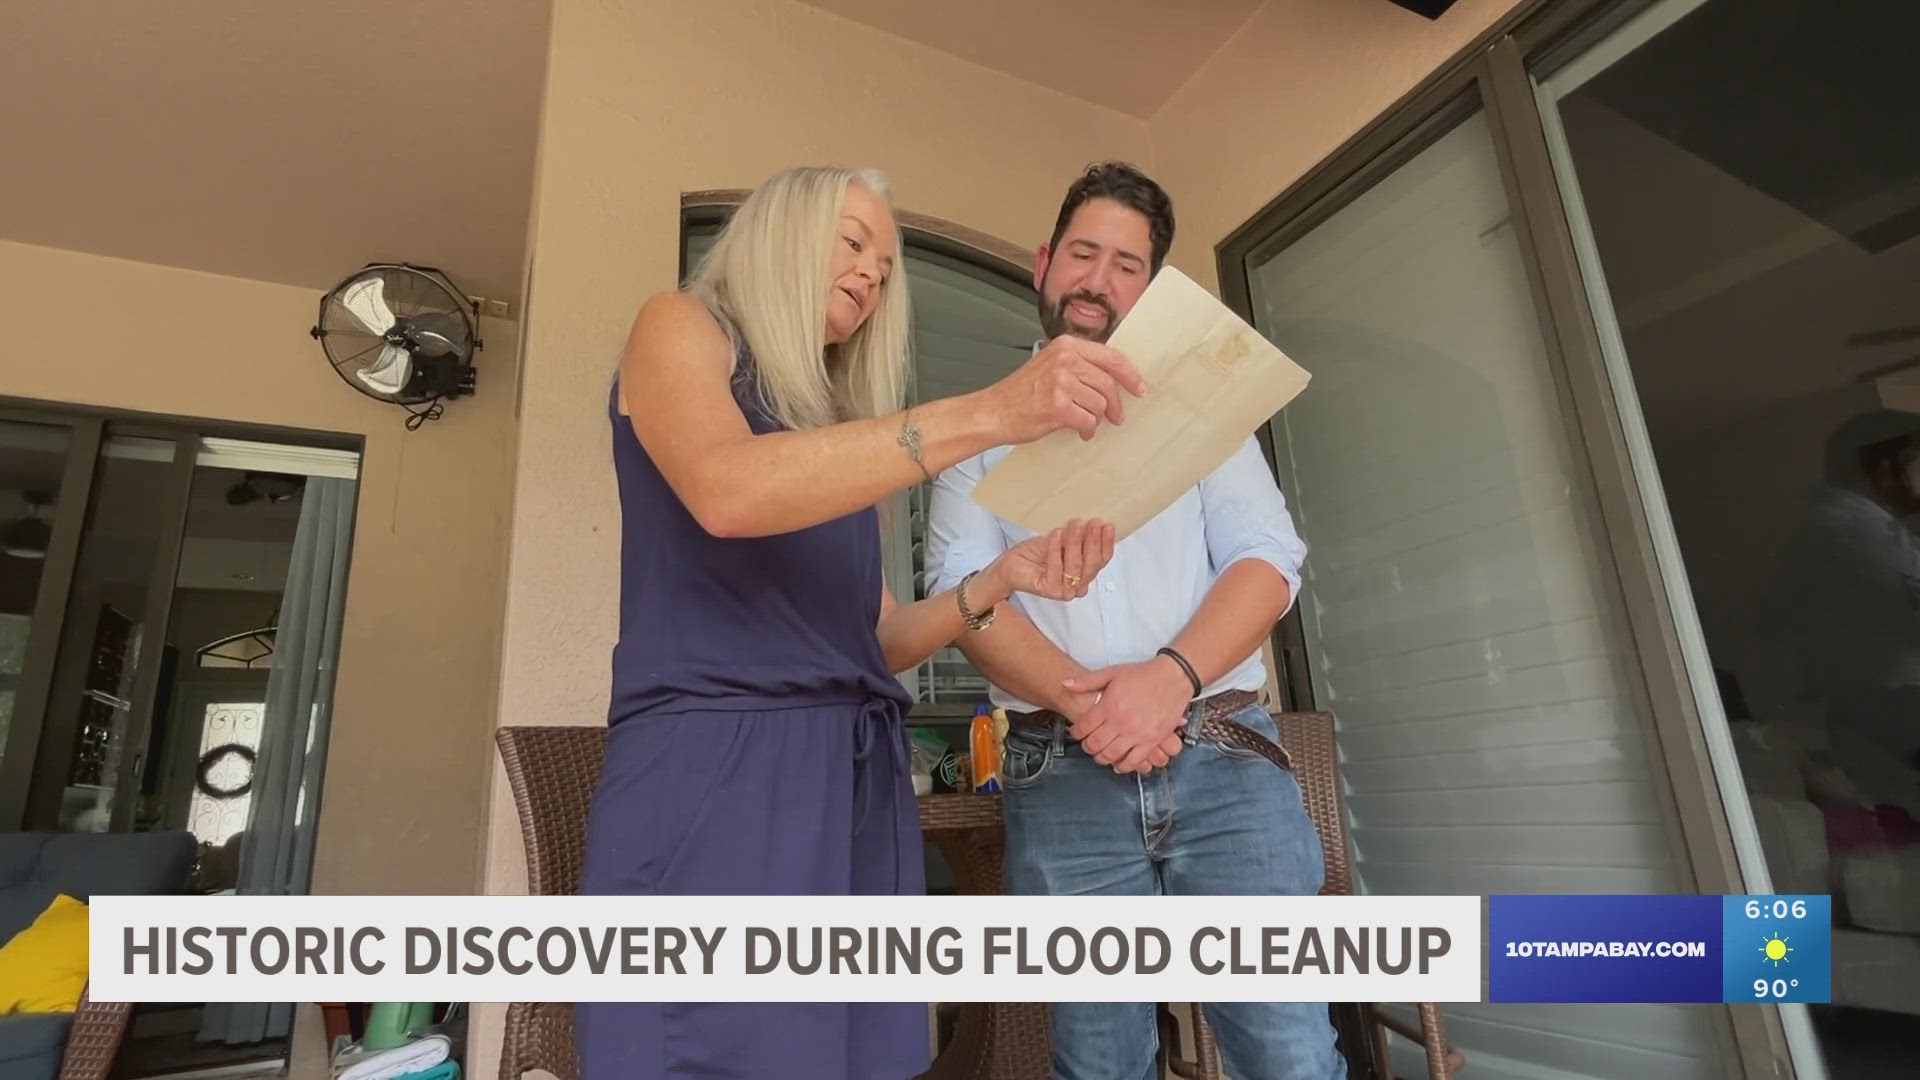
(34, 867)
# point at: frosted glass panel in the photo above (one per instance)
(1457, 621)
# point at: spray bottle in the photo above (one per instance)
(984, 748)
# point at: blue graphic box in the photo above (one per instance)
(1778, 948)
(1605, 948)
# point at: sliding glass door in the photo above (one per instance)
(1745, 191)
(1457, 619)
(44, 478)
(1611, 466)
(144, 571)
(112, 641)
(171, 599)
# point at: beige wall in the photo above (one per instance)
(1297, 80)
(414, 702)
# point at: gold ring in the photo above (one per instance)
(1073, 580)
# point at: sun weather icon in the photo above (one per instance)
(1775, 949)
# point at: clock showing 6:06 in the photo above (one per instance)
(1776, 948)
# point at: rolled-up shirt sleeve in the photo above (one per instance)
(962, 535)
(1247, 518)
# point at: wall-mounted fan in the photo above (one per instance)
(402, 334)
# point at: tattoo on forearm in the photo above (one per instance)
(910, 439)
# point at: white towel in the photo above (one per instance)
(416, 1056)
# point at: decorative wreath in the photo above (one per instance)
(214, 757)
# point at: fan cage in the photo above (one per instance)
(428, 291)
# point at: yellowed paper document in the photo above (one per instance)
(1212, 380)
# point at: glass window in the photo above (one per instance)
(1746, 185)
(1457, 621)
(223, 780)
(32, 459)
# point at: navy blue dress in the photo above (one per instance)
(756, 746)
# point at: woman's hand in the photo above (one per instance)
(1069, 383)
(1060, 565)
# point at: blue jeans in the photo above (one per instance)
(1216, 821)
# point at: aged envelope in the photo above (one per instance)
(1211, 381)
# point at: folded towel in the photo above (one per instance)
(417, 1056)
(446, 1070)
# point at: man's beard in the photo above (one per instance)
(1053, 318)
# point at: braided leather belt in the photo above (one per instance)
(1216, 723)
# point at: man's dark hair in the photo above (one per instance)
(1129, 187)
(1871, 441)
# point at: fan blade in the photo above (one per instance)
(437, 335)
(388, 375)
(366, 301)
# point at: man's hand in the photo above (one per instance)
(1134, 723)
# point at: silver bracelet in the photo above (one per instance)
(910, 439)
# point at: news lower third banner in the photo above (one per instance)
(960, 948)
(785, 948)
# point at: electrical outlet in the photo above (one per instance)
(499, 309)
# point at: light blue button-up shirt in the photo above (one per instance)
(1158, 577)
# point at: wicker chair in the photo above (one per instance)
(93, 1042)
(552, 772)
(1309, 738)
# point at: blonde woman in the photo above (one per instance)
(756, 743)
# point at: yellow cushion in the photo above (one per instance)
(44, 967)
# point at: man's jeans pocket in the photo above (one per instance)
(1257, 719)
(1028, 758)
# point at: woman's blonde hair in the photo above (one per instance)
(765, 279)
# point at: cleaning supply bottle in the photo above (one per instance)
(386, 1025)
(392, 1023)
(984, 748)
